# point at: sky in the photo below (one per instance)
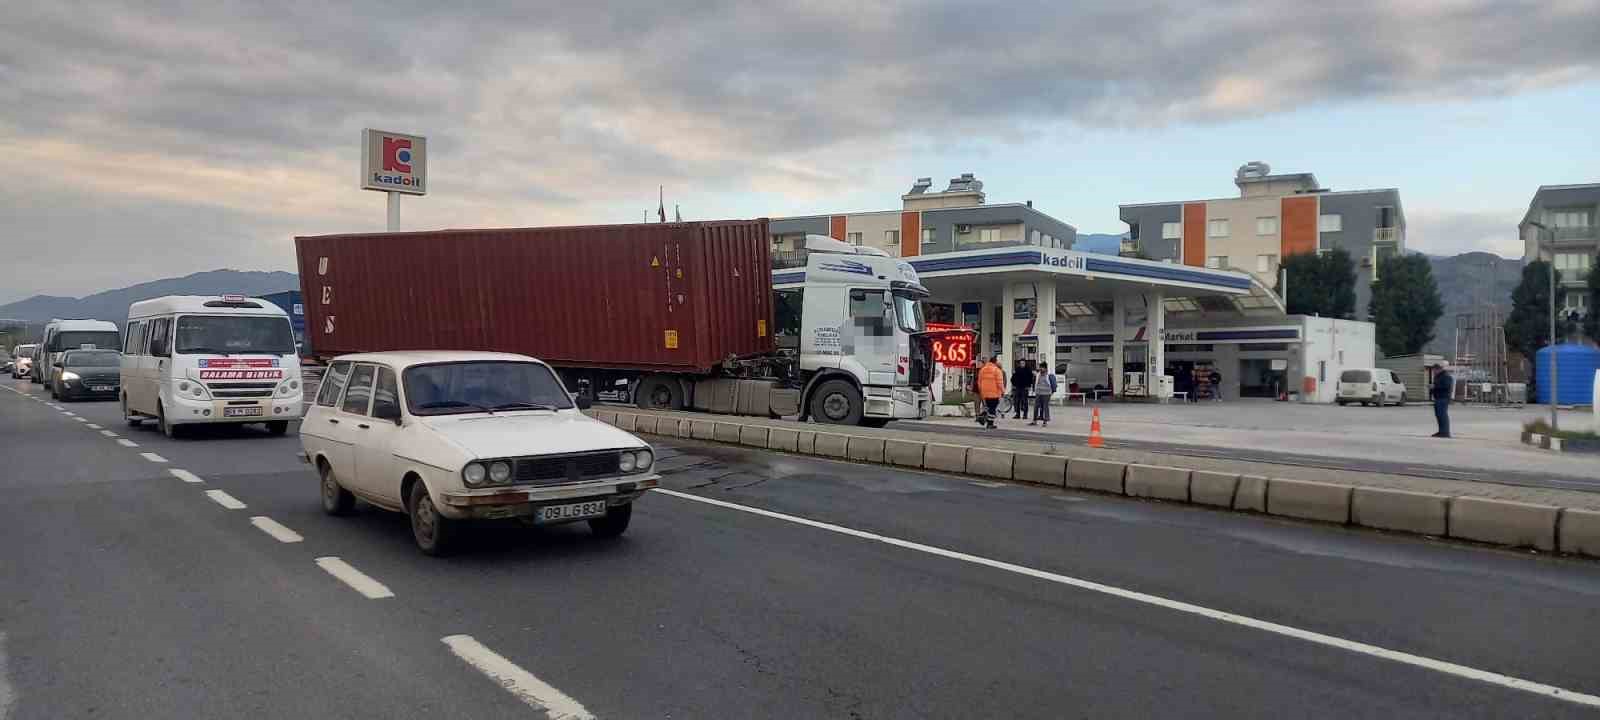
(155, 139)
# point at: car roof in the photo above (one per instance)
(401, 359)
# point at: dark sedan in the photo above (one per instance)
(86, 374)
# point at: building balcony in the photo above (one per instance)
(1389, 235)
(1574, 234)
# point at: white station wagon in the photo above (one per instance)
(453, 436)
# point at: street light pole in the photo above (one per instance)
(1554, 383)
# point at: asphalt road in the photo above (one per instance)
(761, 585)
(1441, 468)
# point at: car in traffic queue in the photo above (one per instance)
(448, 437)
(86, 375)
(22, 361)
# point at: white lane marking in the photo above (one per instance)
(79, 419)
(1426, 663)
(69, 414)
(8, 694)
(93, 426)
(152, 457)
(985, 483)
(521, 683)
(225, 500)
(185, 475)
(127, 443)
(108, 433)
(275, 529)
(357, 580)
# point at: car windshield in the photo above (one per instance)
(908, 313)
(74, 339)
(236, 334)
(93, 359)
(482, 386)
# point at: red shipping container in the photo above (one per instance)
(669, 297)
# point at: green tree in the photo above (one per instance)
(1322, 284)
(1405, 305)
(1591, 321)
(1528, 326)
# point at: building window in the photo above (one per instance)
(1035, 238)
(853, 238)
(1219, 228)
(1096, 349)
(1190, 348)
(927, 236)
(1330, 223)
(989, 235)
(1577, 301)
(1574, 263)
(1217, 262)
(1171, 231)
(1049, 242)
(1567, 219)
(1266, 226)
(891, 238)
(1265, 263)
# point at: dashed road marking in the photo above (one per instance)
(152, 457)
(82, 420)
(109, 434)
(985, 483)
(185, 475)
(228, 501)
(275, 529)
(1449, 668)
(69, 414)
(127, 443)
(92, 426)
(357, 580)
(556, 705)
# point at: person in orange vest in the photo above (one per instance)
(991, 385)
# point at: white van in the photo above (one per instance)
(193, 359)
(63, 335)
(1370, 386)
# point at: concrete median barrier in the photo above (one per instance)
(608, 417)
(1102, 475)
(1309, 500)
(627, 421)
(905, 453)
(753, 436)
(805, 441)
(1252, 494)
(944, 458)
(831, 445)
(644, 424)
(667, 426)
(1580, 532)
(703, 430)
(1504, 522)
(783, 439)
(1042, 469)
(686, 428)
(865, 449)
(726, 432)
(1213, 488)
(989, 463)
(1403, 510)
(1161, 483)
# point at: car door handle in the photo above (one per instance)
(334, 420)
(363, 426)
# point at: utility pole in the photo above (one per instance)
(1554, 364)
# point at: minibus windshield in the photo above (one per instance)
(235, 334)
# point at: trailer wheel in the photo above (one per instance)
(836, 402)
(659, 394)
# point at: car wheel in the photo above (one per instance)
(335, 499)
(836, 402)
(1341, 403)
(168, 429)
(278, 427)
(433, 532)
(132, 419)
(614, 523)
(1402, 402)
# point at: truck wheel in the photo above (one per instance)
(836, 402)
(614, 523)
(659, 394)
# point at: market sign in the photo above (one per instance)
(393, 162)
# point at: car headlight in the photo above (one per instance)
(642, 459)
(500, 471)
(474, 474)
(625, 463)
(68, 376)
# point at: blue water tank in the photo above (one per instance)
(1575, 368)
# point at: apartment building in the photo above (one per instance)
(1560, 227)
(928, 222)
(1273, 217)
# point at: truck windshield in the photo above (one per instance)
(232, 334)
(482, 386)
(908, 313)
(74, 339)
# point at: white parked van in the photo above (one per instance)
(63, 335)
(224, 359)
(1374, 386)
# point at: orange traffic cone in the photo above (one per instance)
(1095, 441)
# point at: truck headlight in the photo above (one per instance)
(500, 471)
(473, 474)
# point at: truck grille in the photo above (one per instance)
(233, 390)
(555, 469)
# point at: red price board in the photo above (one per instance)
(953, 347)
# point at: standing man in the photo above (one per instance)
(991, 385)
(1044, 386)
(1444, 385)
(1216, 384)
(1021, 383)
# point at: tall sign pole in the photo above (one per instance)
(396, 164)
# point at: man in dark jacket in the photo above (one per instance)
(1021, 383)
(1444, 386)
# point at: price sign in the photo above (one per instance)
(953, 348)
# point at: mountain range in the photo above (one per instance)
(113, 304)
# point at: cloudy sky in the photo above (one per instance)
(159, 139)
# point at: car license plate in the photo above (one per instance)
(103, 388)
(575, 511)
(241, 412)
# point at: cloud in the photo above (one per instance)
(1439, 231)
(571, 112)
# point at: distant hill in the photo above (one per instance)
(1103, 243)
(1467, 281)
(113, 304)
